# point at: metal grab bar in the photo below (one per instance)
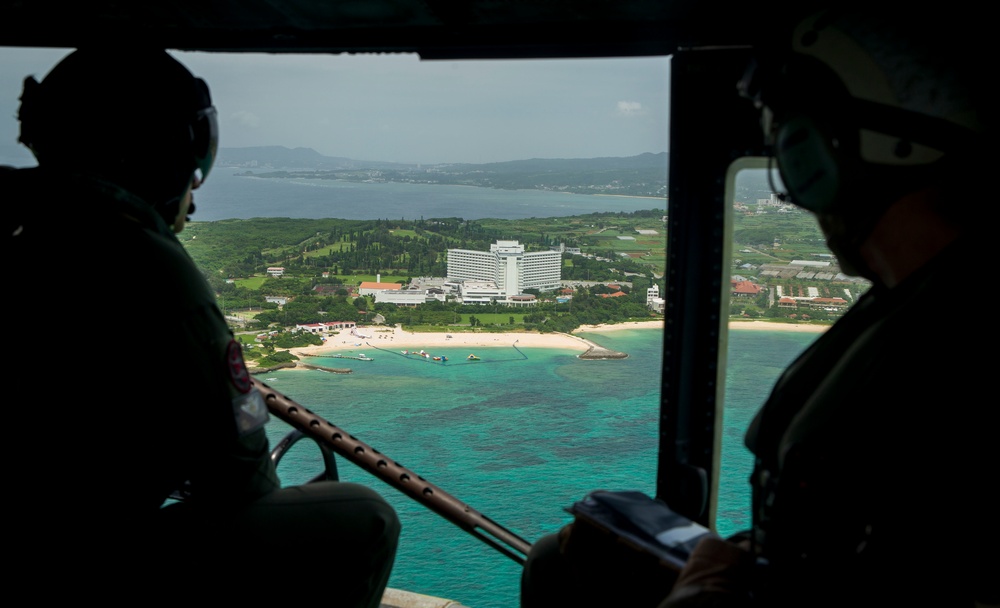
(394, 474)
(329, 461)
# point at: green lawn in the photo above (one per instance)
(251, 283)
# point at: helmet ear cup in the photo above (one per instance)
(812, 161)
(812, 131)
(204, 132)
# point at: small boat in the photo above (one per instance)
(472, 358)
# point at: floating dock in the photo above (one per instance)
(356, 358)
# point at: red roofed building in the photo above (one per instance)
(368, 288)
(746, 289)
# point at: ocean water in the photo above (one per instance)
(517, 436)
(226, 195)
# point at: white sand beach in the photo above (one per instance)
(398, 339)
(772, 326)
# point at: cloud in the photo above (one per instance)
(246, 119)
(630, 108)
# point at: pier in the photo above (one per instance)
(596, 352)
(599, 353)
(332, 370)
(357, 358)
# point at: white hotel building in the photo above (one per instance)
(508, 266)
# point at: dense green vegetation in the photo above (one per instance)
(350, 249)
(264, 350)
(326, 259)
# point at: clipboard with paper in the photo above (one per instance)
(647, 524)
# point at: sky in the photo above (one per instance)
(398, 108)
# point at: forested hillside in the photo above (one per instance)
(242, 248)
(642, 175)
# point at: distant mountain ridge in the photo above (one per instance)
(280, 157)
(641, 175)
(645, 160)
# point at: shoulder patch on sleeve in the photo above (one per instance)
(250, 412)
(238, 373)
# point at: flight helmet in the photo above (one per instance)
(866, 105)
(137, 118)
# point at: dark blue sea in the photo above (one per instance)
(226, 195)
(518, 439)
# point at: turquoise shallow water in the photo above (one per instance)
(517, 436)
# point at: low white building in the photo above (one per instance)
(478, 292)
(326, 327)
(521, 300)
(409, 297)
(653, 300)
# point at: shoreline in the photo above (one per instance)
(395, 338)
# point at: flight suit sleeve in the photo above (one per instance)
(235, 462)
(225, 452)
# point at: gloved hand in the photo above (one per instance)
(717, 574)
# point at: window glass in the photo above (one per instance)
(341, 185)
(785, 290)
